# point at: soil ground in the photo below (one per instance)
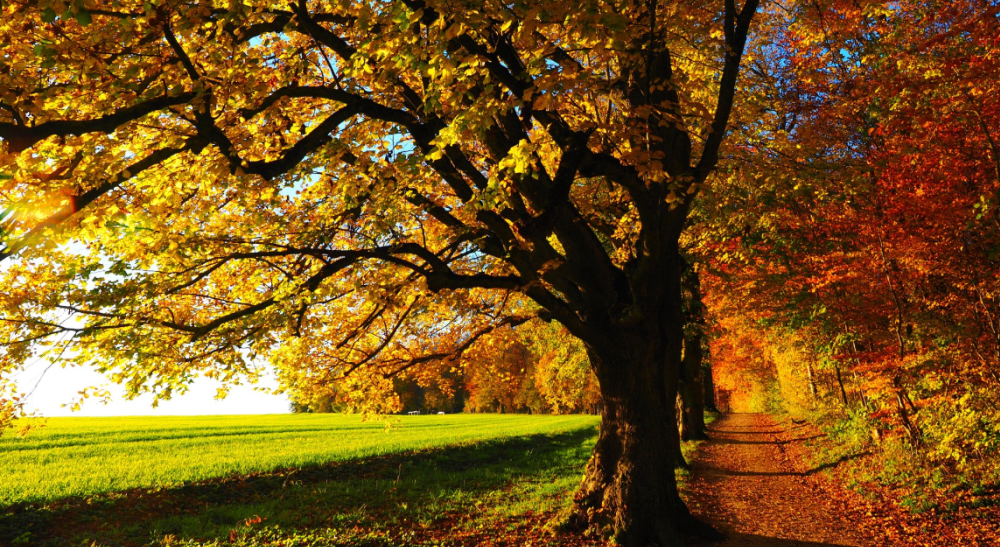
(749, 482)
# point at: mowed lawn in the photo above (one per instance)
(73, 457)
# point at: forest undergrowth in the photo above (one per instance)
(899, 495)
(771, 480)
(930, 477)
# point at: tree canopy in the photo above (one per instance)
(358, 189)
(357, 192)
(859, 282)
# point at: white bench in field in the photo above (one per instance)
(440, 413)
(412, 412)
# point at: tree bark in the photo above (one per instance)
(812, 380)
(843, 392)
(677, 433)
(709, 387)
(912, 429)
(629, 488)
(691, 392)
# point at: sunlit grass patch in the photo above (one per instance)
(87, 456)
(495, 475)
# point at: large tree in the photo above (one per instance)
(357, 189)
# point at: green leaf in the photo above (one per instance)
(613, 21)
(83, 17)
(49, 15)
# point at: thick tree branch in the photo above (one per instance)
(181, 54)
(737, 27)
(21, 137)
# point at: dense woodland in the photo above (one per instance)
(859, 285)
(635, 208)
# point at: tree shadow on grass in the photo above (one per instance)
(393, 490)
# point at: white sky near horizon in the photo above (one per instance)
(52, 389)
(48, 393)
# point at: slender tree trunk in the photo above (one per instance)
(909, 401)
(912, 429)
(709, 383)
(691, 392)
(857, 383)
(677, 433)
(840, 382)
(812, 379)
(861, 392)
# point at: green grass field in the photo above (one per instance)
(72, 457)
(292, 480)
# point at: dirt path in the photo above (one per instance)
(749, 482)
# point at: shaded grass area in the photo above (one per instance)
(492, 492)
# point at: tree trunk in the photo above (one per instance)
(840, 382)
(629, 488)
(812, 379)
(692, 418)
(677, 433)
(912, 429)
(709, 387)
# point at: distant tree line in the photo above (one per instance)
(535, 369)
